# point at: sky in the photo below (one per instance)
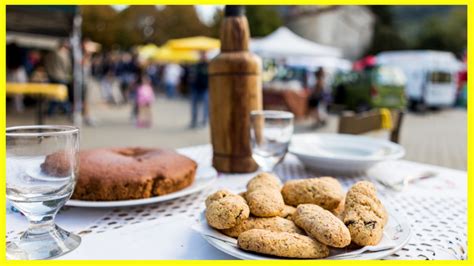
(205, 12)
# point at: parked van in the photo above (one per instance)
(431, 75)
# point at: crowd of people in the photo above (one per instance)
(123, 79)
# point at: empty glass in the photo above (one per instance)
(270, 133)
(41, 174)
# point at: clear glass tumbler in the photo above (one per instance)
(41, 174)
(270, 133)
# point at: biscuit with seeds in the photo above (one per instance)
(287, 212)
(227, 212)
(282, 244)
(218, 195)
(325, 192)
(364, 214)
(274, 224)
(339, 210)
(322, 225)
(263, 181)
(265, 202)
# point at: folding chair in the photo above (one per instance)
(352, 123)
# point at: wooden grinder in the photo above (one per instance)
(235, 90)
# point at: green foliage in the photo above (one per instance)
(216, 23)
(386, 36)
(445, 34)
(419, 27)
(140, 24)
(263, 20)
(99, 24)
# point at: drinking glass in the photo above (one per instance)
(270, 133)
(41, 174)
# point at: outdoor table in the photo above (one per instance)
(435, 209)
(41, 91)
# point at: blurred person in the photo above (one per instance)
(172, 76)
(144, 101)
(16, 72)
(33, 59)
(107, 83)
(96, 66)
(152, 72)
(199, 92)
(39, 75)
(38, 72)
(58, 65)
(86, 68)
(185, 82)
(127, 72)
(315, 98)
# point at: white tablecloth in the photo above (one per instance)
(435, 207)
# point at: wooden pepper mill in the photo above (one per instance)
(235, 89)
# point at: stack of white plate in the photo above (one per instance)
(341, 152)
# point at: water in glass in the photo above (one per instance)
(271, 133)
(39, 189)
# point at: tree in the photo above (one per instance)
(263, 20)
(216, 23)
(386, 36)
(179, 21)
(448, 34)
(140, 24)
(99, 24)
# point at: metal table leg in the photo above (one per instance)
(40, 115)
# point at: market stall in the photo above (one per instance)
(45, 27)
(297, 54)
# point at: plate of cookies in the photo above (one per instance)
(303, 219)
(346, 153)
(129, 176)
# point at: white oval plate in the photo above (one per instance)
(342, 152)
(205, 176)
(397, 232)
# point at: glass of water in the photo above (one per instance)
(270, 133)
(41, 174)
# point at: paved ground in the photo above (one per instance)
(436, 137)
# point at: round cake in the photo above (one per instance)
(127, 173)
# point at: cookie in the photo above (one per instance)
(219, 195)
(322, 225)
(339, 210)
(282, 244)
(274, 224)
(325, 192)
(364, 214)
(227, 212)
(287, 212)
(265, 202)
(263, 181)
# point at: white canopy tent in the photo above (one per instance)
(315, 62)
(283, 43)
(300, 52)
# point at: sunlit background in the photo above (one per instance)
(342, 39)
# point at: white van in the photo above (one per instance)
(431, 75)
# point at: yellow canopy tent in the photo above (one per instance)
(147, 51)
(199, 43)
(166, 54)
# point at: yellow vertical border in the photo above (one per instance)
(470, 128)
(3, 78)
